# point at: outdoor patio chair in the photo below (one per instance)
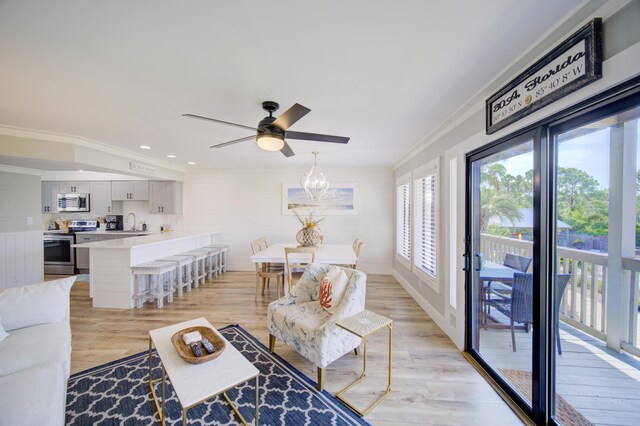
(561, 284)
(519, 263)
(517, 306)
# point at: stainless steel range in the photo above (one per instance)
(59, 255)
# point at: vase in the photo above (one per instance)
(308, 237)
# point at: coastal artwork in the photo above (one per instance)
(338, 200)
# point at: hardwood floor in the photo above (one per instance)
(433, 384)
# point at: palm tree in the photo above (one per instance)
(497, 204)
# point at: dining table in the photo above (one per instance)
(497, 278)
(334, 254)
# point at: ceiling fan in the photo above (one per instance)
(272, 132)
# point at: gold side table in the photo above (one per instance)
(362, 325)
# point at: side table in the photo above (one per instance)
(362, 325)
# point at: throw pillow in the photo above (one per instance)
(332, 289)
(3, 334)
(35, 304)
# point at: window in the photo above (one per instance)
(424, 227)
(403, 219)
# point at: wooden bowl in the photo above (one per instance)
(185, 351)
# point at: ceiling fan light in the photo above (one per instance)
(270, 142)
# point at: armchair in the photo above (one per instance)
(301, 322)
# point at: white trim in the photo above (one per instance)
(440, 321)
(20, 170)
(403, 261)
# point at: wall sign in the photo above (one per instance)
(575, 63)
(138, 167)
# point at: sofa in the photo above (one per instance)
(302, 320)
(35, 353)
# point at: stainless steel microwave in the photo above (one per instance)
(73, 202)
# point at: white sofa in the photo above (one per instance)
(35, 353)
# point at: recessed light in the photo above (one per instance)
(191, 163)
(171, 156)
(145, 147)
(81, 170)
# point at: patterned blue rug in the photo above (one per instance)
(118, 394)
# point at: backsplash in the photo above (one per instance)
(139, 208)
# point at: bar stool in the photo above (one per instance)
(154, 280)
(210, 260)
(199, 269)
(223, 256)
(215, 259)
(183, 270)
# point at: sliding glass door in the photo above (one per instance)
(553, 262)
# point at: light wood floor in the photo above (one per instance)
(433, 384)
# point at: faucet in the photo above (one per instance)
(133, 228)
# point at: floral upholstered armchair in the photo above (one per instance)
(299, 320)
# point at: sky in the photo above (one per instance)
(589, 153)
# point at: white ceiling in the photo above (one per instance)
(385, 73)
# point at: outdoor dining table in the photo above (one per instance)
(334, 254)
(494, 276)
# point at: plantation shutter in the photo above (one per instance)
(403, 218)
(425, 232)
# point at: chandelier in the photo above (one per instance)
(314, 183)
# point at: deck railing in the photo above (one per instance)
(583, 304)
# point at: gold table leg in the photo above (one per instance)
(362, 376)
(153, 391)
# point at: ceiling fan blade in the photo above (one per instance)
(199, 117)
(290, 116)
(316, 137)
(287, 151)
(246, 138)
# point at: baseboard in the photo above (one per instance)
(426, 306)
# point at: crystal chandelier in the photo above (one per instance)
(314, 183)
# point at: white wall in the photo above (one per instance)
(21, 249)
(244, 204)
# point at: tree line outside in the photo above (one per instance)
(580, 201)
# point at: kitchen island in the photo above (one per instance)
(111, 281)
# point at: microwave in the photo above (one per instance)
(73, 202)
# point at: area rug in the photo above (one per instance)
(118, 394)
(565, 412)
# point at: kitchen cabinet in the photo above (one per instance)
(79, 186)
(165, 197)
(130, 190)
(100, 201)
(50, 190)
(82, 254)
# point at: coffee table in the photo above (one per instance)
(196, 383)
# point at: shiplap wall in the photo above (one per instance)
(21, 258)
(244, 204)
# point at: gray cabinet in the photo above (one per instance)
(100, 192)
(79, 186)
(50, 190)
(165, 197)
(130, 190)
(82, 254)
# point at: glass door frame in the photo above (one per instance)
(620, 97)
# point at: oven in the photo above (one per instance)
(59, 255)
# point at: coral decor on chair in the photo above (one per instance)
(306, 318)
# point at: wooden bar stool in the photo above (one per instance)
(216, 258)
(199, 269)
(154, 281)
(183, 271)
(223, 256)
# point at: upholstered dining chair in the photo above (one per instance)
(265, 272)
(298, 258)
(299, 320)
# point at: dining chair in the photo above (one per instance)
(357, 245)
(561, 284)
(297, 261)
(519, 263)
(265, 272)
(518, 306)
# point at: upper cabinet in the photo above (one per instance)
(165, 197)
(100, 192)
(50, 190)
(80, 186)
(130, 190)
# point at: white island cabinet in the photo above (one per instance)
(111, 281)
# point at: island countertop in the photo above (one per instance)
(133, 241)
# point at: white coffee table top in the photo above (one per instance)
(194, 383)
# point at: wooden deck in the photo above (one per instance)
(600, 383)
(433, 384)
